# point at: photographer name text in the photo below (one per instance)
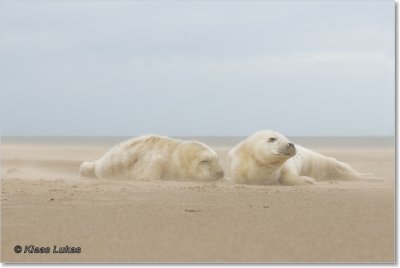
(32, 249)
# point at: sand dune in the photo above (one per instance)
(45, 203)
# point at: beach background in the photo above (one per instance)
(78, 77)
(44, 203)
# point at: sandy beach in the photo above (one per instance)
(45, 203)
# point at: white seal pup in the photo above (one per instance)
(268, 157)
(156, 157)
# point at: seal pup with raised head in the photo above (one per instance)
(268, 157)
(156, 157)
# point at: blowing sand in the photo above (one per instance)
(45, 203)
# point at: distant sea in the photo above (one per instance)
(212, 141)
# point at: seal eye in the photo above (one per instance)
(204, 162)
(271, 139)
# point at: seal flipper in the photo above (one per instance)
(366, 177)
(87, 169)
(288, 178)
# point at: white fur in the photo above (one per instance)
(156, 157)
(258, 160)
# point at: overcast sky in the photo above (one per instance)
(191, 68)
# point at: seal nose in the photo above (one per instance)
(220, 174)
(290, 145)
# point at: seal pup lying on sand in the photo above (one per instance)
(268, 157)
(156, 157)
